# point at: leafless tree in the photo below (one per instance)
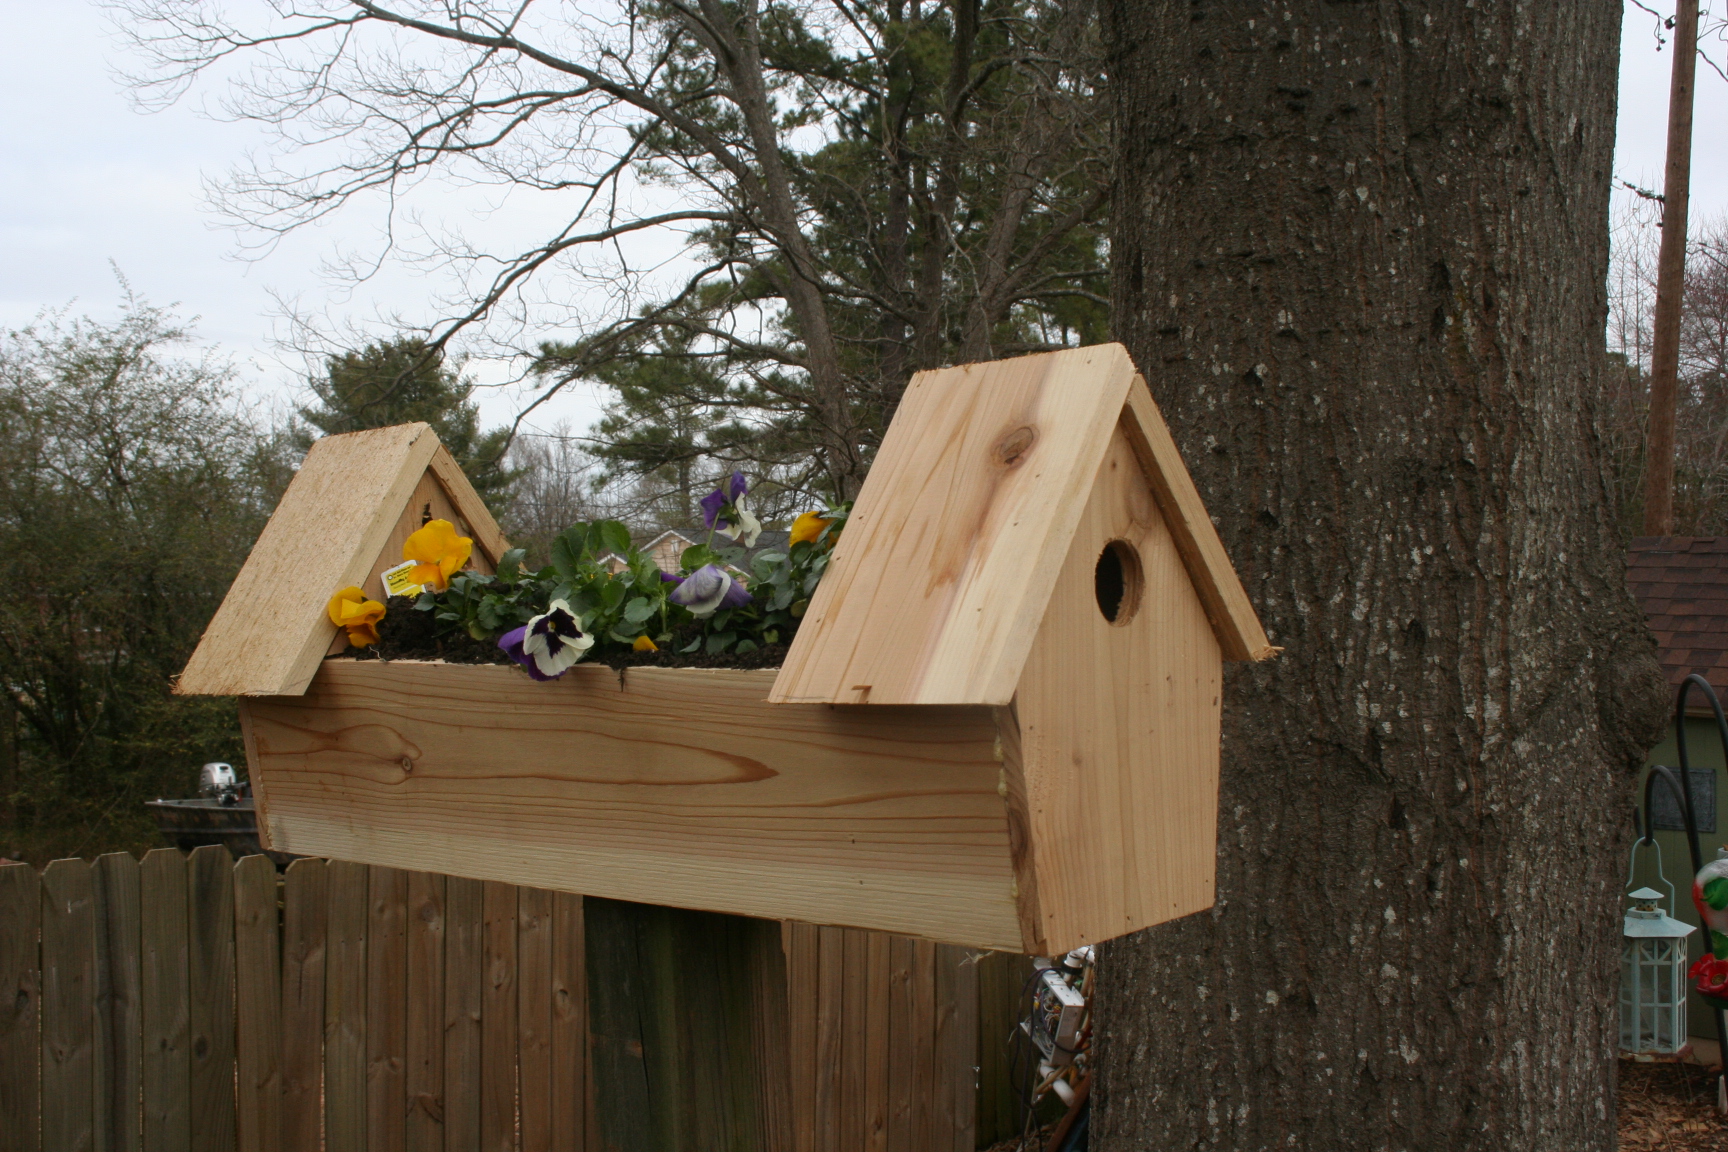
(858, 188)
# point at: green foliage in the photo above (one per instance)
(403, 380)
(618, 607)
(1716, 892)
(130, 492)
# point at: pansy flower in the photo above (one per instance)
(722, 512)
(808, 527)
(438, 554)
(351, 609)
(548, 644)
(707, 590)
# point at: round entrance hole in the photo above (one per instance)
(1117, 581)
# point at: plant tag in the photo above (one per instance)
(397, 583)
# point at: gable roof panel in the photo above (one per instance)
(940, 581)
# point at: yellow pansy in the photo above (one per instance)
(350, 609)
(808, 527)
(643, 644)
(438, 553)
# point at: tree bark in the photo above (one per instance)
(1360, 255)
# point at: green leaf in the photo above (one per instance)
(772, 636)
(1716, 892)
(1718, 945)
(692, 646)
(799, 608)
(567, 553)
(638, 610)
(510, 565)
(615, 537)
(720, 641)
(612, 595)
(746, 646)
(696, 556)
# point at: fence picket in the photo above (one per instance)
(464, 978)
(68, 991)
(163, 976)
(345, 1007)
(425, 1038)
(954, 1086)
(119, 1083)
(387, 1012)
(210, 924)
(534, 1018)
(305, 912)
(571, 1102)
(901, 1026)
(258, 1003)
(498, 1019)
(20, 1008)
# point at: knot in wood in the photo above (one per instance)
(1012, 448)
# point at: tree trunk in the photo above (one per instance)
(1360, 254)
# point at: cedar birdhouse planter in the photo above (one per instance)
(997, 726)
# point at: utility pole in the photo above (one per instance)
(1670, 278)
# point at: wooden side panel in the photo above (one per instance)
(425, 1047)
(464, 978)
(345, 1008)
(1234, 622)
(165, 978)
(305, 917)
(210, 1042)
(258, 1005)
(1118, 731)
(68, 990)
(271, 631)
(20, 1008)
(119, 1028)
(942, 575)
(684, 788)
(387, 1011)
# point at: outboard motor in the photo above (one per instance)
(216, 781)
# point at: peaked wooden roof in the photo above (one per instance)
(939, 583)
(271, 631)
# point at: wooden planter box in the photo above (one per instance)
(961, 746)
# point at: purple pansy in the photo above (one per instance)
(714, 504)
(548, 644)
(707, 590)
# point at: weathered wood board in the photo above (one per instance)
(671, 786)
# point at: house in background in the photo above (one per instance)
(666, 548)
(1681, 582)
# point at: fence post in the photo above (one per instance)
(305, 911)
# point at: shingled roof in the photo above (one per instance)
(1681, 582)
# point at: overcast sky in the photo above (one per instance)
(90, 182)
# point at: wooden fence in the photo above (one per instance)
(195, 1004)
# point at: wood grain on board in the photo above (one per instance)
(682, 787)
(68, 988)
(341, 521)
(938, 584)
(345, 1007)
(1118, 731)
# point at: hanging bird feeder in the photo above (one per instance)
(1652, 978)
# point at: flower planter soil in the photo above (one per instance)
(406, 633)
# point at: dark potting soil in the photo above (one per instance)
(408, 634)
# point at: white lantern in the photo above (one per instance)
(1652, 979)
